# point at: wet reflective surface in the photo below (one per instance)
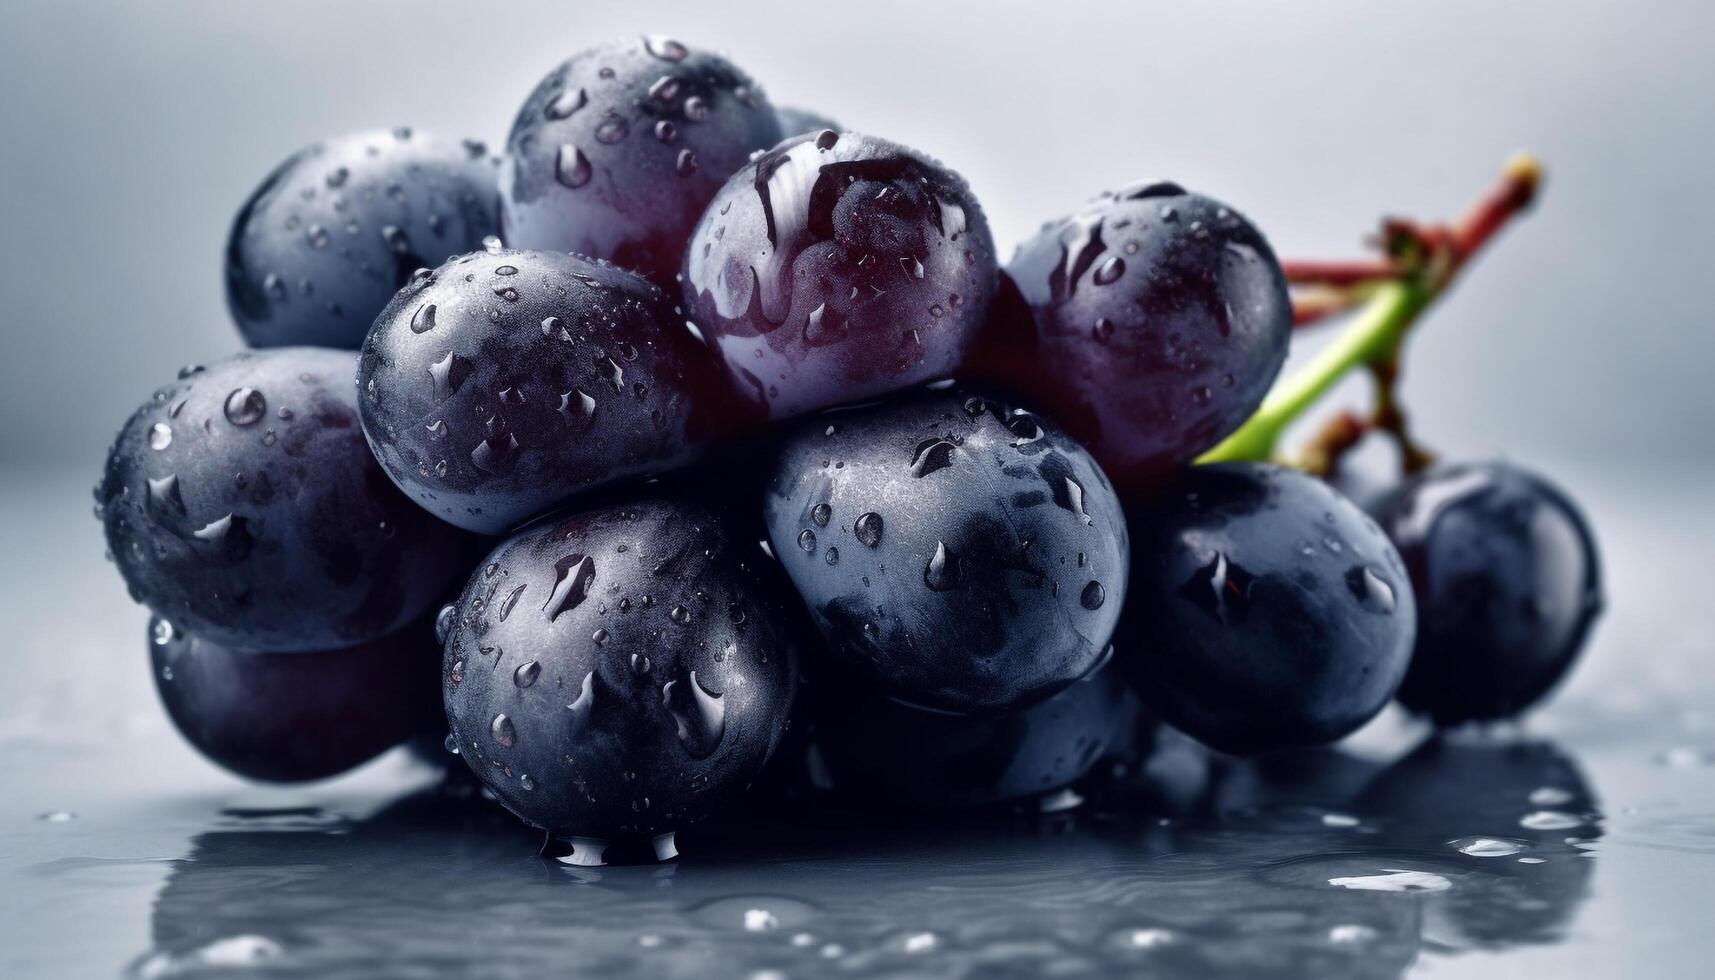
(1580, 846)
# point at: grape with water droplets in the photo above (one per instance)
(618, 672)
(1266, 611)
(322, 245)
(1508, 586)
(242, 503)
(839, 267)
(291, 717)
(506, 382)
(873, 749)
(962, 555)
(1156, 321)
(618, 150)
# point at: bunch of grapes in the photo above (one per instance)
(744, 428)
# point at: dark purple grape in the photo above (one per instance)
(242, 503)
(963, 555)
(872, 748)
(1508, 586)
(291, 717)
(1266, 611)
(839, 267)
(795, 122)
(617, 151)
(322, 245)
(507, 382)
(1160, 319)
(618, 672)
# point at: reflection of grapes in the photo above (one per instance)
(1508, 585)
(881, 752)
(838, 267)
(1159, 318)
(1265, 609)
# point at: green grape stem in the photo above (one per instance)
(1374, 332)
(1397, 291)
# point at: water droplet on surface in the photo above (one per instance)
(821, 514)
(687, 164)
(807, 541)
(576, 404)
(931, 455)
(161, 632)
(700, 716)
(680, 615)
(1485, 846)
(1111, 269)
(502, 730)
(1220, 588)
(1550, 820)
(1351, 934)
(423, 320)
(510, 601)
(600, 637)
(942, 572)
(444, 622)
(566, 103)
(1093, 596)
(574, 573)
(160, 436)
(451, 743)
(868, 529)
(665, 48)
(245, 406)
(1146, 938)
(1394, 880)
(219, 530)
(448, 375)
(611, 130)
(527, 673)
(164, 496)
(1075, 502)
(571, 168)
(581, 706)
(1371, 590)
(921, 942)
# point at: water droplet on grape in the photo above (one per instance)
(527, 673)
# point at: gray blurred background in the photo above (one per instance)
(130, 133)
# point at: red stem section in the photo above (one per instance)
(1322, 288)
